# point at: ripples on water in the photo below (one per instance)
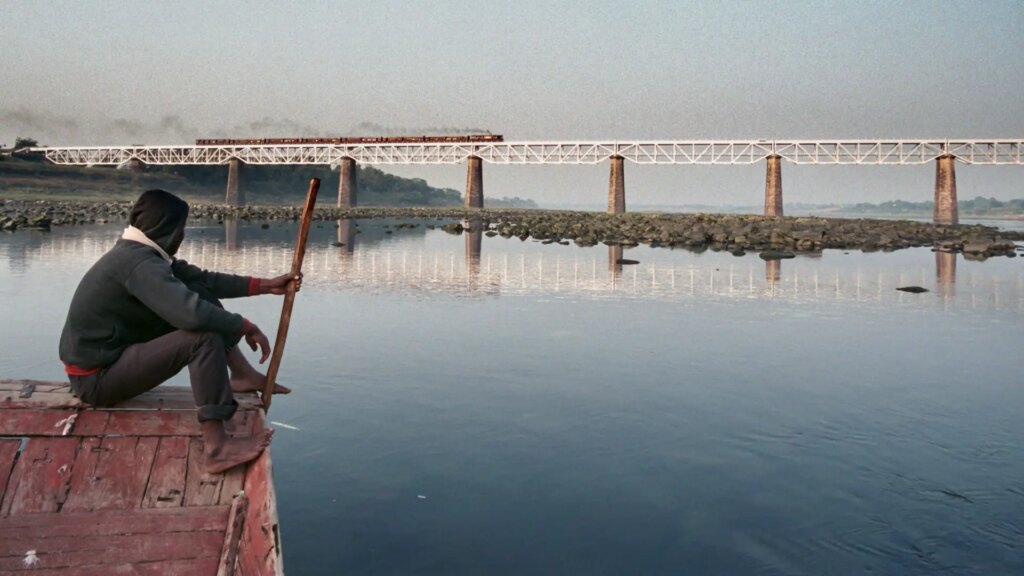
(561, 413)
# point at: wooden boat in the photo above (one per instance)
(98, 491)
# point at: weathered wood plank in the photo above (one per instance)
(229, 551)
(201, 489)
(260, 547)
(167, 480)
(83, 550)
(8, 453)
(90, 423)
(58, 395)
(34, 422)
(163, 423)
(113, 522)
(114, 477)
(191, 567)
(41, 475)
(7, 385)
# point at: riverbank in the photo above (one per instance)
(735, 233)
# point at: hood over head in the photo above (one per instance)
(161, 216)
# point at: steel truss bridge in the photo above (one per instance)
(703, 152)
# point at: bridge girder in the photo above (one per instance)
(701, 152)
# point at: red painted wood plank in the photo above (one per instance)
(153, 423)
(167, 481)
(8, 453)
(34, 422)
(90, 423)
(83, 550)
(201, 489)
(113, 475)
(112, 522)
(260, 547)
(39, 482)
(8, 385)
(196, 567)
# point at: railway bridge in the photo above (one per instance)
(345, 156)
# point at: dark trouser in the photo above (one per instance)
(145, 365)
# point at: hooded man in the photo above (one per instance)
(139, 316)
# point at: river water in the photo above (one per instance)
(474, 405)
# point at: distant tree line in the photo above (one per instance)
(979, 206)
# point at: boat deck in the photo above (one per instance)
(119, 490)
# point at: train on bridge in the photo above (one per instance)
(351, 140)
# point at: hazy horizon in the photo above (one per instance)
(109, 73)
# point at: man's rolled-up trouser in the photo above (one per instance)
(145, 365)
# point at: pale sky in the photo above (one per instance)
(76, 73)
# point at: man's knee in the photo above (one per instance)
(202, 340)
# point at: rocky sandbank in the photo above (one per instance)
(731, 232)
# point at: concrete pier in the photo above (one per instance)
(773, 187)
(617, 186)
(347, 183)
(945, 191)
(475, 183)
(235, 196)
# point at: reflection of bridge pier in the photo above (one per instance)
(614, 267)
(772, 271)
(347, 235)
(231, 234)
(945, 273)
(474, 235)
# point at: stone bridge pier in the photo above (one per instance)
(234, 196)
(475, 183)
(945, 211)
(617, 186)
(773, 187)
(347, 184)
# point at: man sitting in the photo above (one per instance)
(139, 316)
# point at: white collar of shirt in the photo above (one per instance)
(135, 235)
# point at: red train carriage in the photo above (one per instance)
(350, 140)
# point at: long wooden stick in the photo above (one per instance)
(289, 297)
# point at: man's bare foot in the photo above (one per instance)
(246, 378)
(230, 452)
(254, 382)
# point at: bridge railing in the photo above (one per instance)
(703, 152)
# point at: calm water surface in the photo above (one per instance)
(473, 405)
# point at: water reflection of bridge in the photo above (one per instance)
(594, 272)
(346, 266)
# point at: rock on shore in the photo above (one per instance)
(735, 233)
